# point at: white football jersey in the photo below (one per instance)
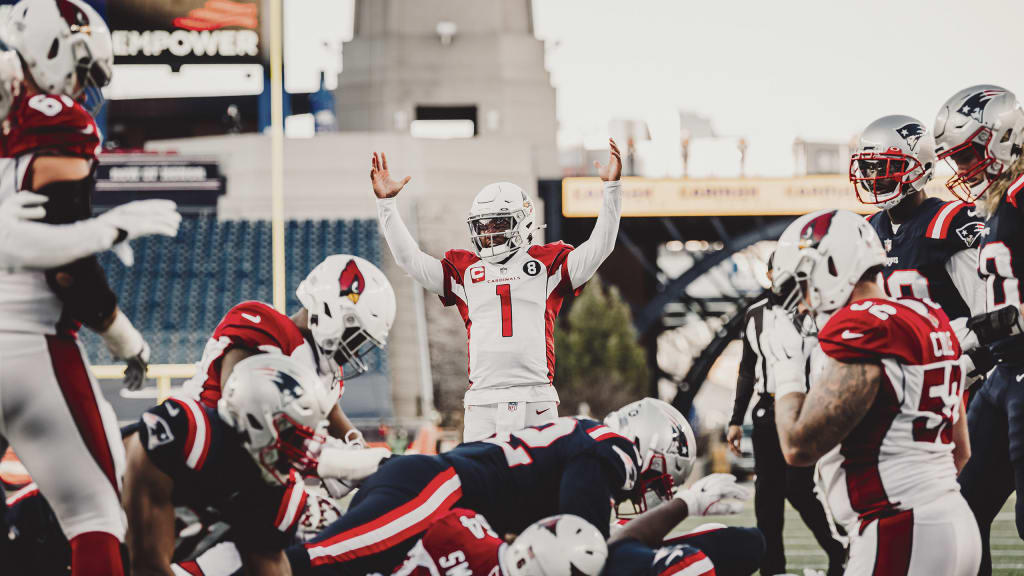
(900, 455)
(55, 125)
(509, 310)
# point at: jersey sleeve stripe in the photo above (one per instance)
(1014, 189)
(292, 504)
(602, 432)
(270, 336)
(696, 565)
(198, 443)
(939, 225)
(406, 521)
(29, 490)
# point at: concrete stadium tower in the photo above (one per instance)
(449, 59)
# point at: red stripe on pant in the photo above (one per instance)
(404, 531)
(76, 386)
(895, 542)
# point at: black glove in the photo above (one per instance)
(996, 325)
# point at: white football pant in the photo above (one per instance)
(63, 431)
(938, 539)
(503, 418)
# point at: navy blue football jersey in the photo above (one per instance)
(634, 558)
(211, 469)
(1002, 251)
(918, 251)
(569, 466)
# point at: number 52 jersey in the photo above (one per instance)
(899, 455)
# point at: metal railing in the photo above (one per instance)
(162, 373)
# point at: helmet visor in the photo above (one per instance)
(489, 231)
(879, 177)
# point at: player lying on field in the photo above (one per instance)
(884, 406)
(570, 466)
(509, 290)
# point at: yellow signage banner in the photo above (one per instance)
(648, 197)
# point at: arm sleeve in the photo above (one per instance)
(423, 267)
(744, 383)
(584, 261)
(962, 267)
(26, 244)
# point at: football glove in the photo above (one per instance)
(125, 342)
(996, 325)
(705, 497)
(23, 206)
(140, 218)
(783, 349)
(349, 464)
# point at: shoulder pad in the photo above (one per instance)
(176, 434)
(552, 255)
(53, 124)
(257, 325)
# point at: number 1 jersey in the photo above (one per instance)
(509, 310)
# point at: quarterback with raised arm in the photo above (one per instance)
(508, 290)
(884, 408)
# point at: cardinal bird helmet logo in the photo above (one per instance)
(351, 282)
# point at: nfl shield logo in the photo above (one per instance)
(513, 406)
(888, 244)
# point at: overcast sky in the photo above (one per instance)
(771, 71)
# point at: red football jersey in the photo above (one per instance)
(255, 326)
(460, 542)
(55, 125)
(900, 454)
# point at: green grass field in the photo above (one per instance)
(803, 552)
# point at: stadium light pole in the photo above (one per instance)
(277, 154)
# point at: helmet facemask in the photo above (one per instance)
(654, 487)
(496, 236)
(974, 167)
(91, 75)
(295, 447)
(884, 178)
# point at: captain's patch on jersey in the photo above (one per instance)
(159, 431)
(477, 274)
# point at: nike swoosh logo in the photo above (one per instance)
(847, 335)
(172, 409)
(1020, 377)
(539, 412)
(254, 319)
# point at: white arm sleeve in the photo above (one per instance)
(962, 267)
(584, 261)
(27, 244)
(423, 267)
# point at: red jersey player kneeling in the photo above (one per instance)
(348, 307)
(508, 291)
(884, 408)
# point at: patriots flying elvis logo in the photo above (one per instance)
(911, 133)
(974, 105)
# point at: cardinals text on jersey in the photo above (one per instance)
(900, 455)
(509, 310)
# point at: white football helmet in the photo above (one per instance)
(666, 445)
(501, 221)
(277, 406)
(351, 309)
(895, 158)
(65, 45)
(978, 132)
(820, 257)
(563, 545)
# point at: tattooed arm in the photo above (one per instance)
(811, 424)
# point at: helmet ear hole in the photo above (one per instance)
(327, 311)
(832, 267)
(254, 422)
(54, 48)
